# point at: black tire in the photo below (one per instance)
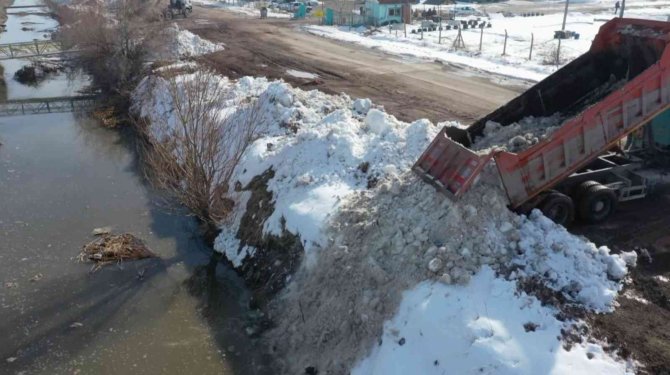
(558, 207)
(583, 189)
(597, 203)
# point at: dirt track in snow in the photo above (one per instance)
(408, 89)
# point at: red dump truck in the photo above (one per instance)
(579, 169)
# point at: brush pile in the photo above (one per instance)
(110, 248)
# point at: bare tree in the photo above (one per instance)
(194, 150)
(110, 38)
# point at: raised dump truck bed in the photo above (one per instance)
(618, 86)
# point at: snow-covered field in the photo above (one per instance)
(520, 30)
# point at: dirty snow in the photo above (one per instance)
(371, 229)
(176, 43)
(518, 136)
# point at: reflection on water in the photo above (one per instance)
(60, 178)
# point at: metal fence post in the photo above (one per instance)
(481, 38)
(505, 45)
(532, 39)
(422, 33)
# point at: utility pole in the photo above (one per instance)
(623, 5)
(565, 17)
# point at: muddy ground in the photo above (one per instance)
(638, 328)
(408, 89)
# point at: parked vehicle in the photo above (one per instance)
(579, 169)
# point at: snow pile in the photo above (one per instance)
(486, 327)
(175, 43)
(371, 229)
(387, 240)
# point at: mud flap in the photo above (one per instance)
(449, 166)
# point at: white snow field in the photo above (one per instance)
(515, 63)
(372, 230)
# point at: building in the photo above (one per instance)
(386, 12)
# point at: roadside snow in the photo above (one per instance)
(176, 43)
(520, 30)
(301, 74)
(249, 9)
(485, 327)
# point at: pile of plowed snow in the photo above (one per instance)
(174, 43)
(373, 230)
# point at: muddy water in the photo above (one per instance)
(61, 176)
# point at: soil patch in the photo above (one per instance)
(639, 327)
(276, 257)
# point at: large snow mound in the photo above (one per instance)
(485, 327)
(371, 229)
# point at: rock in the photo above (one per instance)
(11, 359)
(36, 278)
(431, 251)
(102, 230)
(401, 342)
(465, 252)
(446, 278)
(76, 325)
(435, 265)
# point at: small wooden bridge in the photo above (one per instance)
(37, 48)
(36, 106)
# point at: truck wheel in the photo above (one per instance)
(597, 203)
(558, 207)
(583, 189)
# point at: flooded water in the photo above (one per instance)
(61, 176)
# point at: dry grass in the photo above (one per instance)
(110, 248)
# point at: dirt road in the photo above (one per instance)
(408, 89)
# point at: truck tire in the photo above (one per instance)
(597, 203)
(558, 207)
(583, 189)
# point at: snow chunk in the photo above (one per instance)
(362, 106)
(301, 74)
